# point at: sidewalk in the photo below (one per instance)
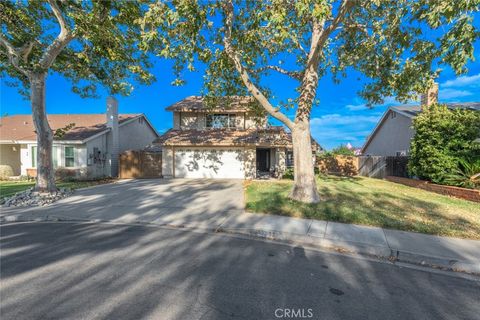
(434, 251)
(450, 253)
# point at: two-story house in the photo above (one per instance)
(224, 141)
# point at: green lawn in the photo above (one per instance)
(372, 202)
(8, 188)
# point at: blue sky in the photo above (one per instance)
(340, 118)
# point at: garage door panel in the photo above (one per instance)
(209, 163)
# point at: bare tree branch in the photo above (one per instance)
(320, 35)
(13, 55)
(293, 74)
(25, 50)
(62, 40)
(229, 49)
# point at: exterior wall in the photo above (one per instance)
(10, 155)
(135, 135)
(25, 160)
(281, 163)
(98, 164)
(190, 120)
(196, 120)
(80, 158)
(250, 162)
(393, 136)
(167, 162)
(176, 120)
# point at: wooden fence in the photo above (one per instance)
(381, 166)
(140, 164)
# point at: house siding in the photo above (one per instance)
(10, 155)
(393, 135)
(135, 135)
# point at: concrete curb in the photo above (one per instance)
(379, 252)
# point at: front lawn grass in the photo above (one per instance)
(9, 188)
(373, 202)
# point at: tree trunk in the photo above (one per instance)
(305, 188)
(45, 172)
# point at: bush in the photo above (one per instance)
(288, 174)
(467, 174)
(443, 137)
(6, 171)
(69, 174)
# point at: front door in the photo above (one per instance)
(263, 160)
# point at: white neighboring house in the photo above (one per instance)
(89, 149)
(394, 131)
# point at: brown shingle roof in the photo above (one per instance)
(21, 127)
(195, 103)
(270, 137)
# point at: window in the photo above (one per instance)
(34, 157)
(221, 120)
(289, 158)
(69, 157)
(54, 156)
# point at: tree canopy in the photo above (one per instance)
(90, 43)
(399, 45)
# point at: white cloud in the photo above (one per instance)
(387, 101)
(332, 129)
(338, 119)
(462, 81)
(356, 107)
(447, 94)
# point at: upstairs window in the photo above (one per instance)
(221, 120)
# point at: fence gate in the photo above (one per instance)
(140, 164)
(397, 166)
(372, 166)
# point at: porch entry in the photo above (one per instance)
(263, 160)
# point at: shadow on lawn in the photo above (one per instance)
(69, 270)
(383, 209)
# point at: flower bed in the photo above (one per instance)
(457, 192)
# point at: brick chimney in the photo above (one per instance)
(430, 97)
(112, 140)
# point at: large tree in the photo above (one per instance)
(90, 43)
(397, 45)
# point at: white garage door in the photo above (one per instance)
(209, 163)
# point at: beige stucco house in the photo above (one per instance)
(226, 140)
(394, 131)
(88, 148)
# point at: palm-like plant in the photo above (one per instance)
(466, 175)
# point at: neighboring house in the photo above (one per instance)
(226, 141)
(394, 131)
(88, 149)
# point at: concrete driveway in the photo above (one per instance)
(177, 202)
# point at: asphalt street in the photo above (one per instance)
(105, 271)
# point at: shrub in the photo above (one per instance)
(442, 138)
(288, 174)
(466, 175)
(6, 171)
